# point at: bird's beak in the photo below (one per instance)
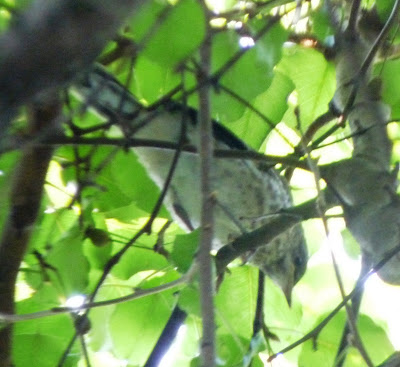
(288, 294)
(288, 287)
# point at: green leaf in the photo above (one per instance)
(230, 350)
(189, 300)
(326, 344)
(72, 266)
(239, 285)
(384, 8)
(191, 342)
(56, 190)
(152, 80)
(148, 16)
(7, 166)
(129, 216)
(38, 350)
(141, 322)
(282, 320)
(171, 39)
(41, 342)
(97, 256)
(126, 181)
(139, 259)
(53, 225)
(100, 337)
(321, 23)
(314, 79)
(373, 337)
(350, 244)
(388, 71)
(251, 75)
(184, 250)
(272, 104)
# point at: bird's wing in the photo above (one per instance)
(246, 197)
(102, 92)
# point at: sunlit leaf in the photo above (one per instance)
(314, 78)
(174, 37)
(141, 322)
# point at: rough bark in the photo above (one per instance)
(25, 199)
(365, 184)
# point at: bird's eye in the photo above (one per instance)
(298, 261)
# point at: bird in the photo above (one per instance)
(248, 194)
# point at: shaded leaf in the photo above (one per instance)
(184, 250)
(71, 264)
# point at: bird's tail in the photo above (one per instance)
(102, 92)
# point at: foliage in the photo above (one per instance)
(105, 188)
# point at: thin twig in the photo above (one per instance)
(355, 10)
(369, 58)
(360, 283)
(207, 282)
(138, 293)
(321, 207)
(355, 306)
(147, 227)
(270, 123)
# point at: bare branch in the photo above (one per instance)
(207, 282)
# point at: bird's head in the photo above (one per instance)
(284, 259)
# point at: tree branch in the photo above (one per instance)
(167, 337)
(25, 200)
(207, 282)
(266, 233)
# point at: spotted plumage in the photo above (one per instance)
(246, 196)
